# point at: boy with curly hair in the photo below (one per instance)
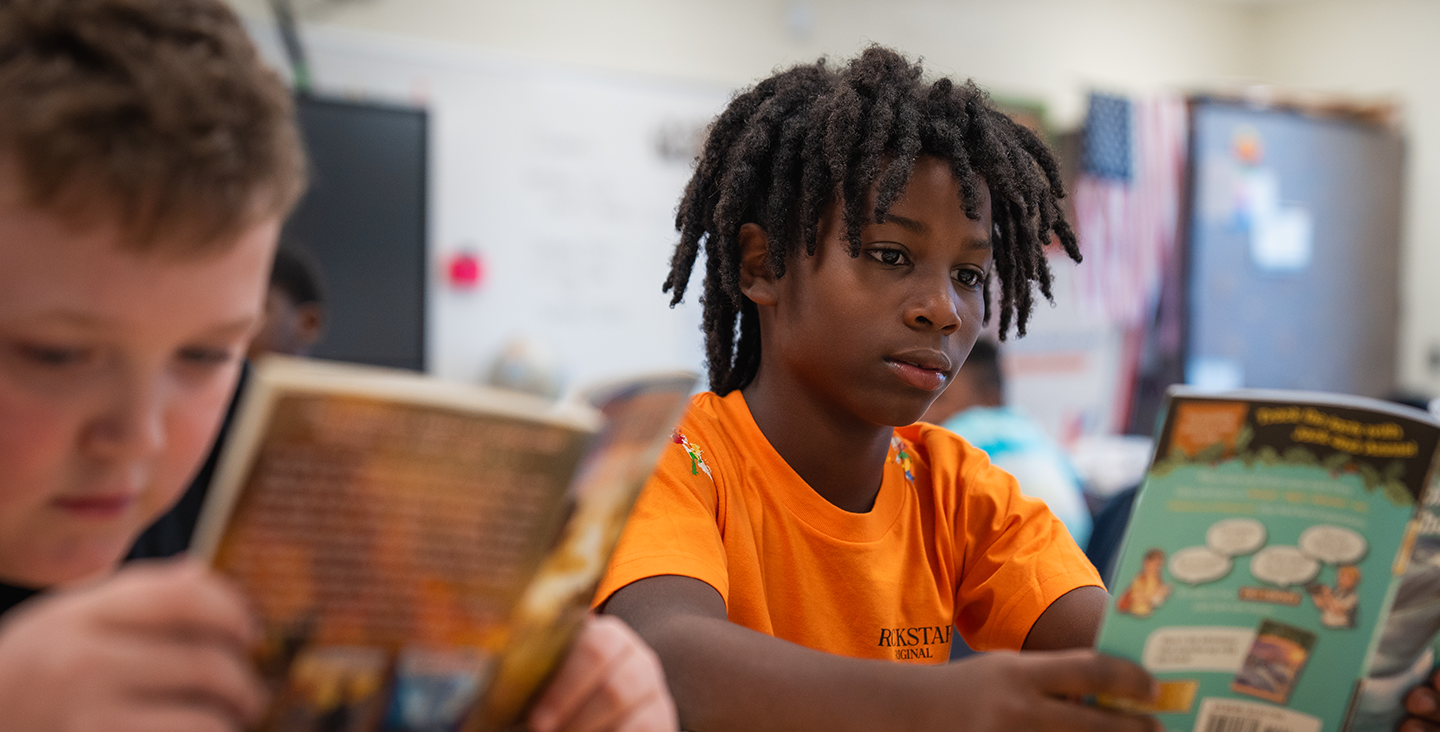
(147, 159)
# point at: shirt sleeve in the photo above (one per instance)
(674, 529)
(1017, 558)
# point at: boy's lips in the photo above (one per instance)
(923, 369)
(103, 506)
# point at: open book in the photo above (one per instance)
(421, 553)
(1280, 571)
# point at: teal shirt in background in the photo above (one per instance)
(1018, 445)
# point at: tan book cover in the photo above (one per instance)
(421, 553)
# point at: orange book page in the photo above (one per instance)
(638, 423)
(368, 534)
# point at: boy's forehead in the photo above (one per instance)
(78, 215)
(931, 193)
(933, 175)
(86, 277)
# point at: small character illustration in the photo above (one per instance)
(697, 456)
(902, 457)
(1148, 590)
(334, 689)
(1337, 604)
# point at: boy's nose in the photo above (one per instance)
(131, 425)
(935, 308)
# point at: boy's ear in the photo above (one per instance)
(757, 281)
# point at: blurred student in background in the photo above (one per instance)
(294, 305)
(973, 406)
(147, 159)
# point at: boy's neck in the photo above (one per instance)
(842, 461)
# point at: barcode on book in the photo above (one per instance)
(1233, 715)
(1239, 724)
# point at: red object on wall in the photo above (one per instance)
(465, 271)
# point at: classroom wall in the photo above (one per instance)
(1051, 50)
(1391, 48)
(560, 180)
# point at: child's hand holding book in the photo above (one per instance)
(610, 682)
(161, 648)
(1423, 704)
(1036, 690)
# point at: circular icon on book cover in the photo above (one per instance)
(1199, 564)
(1333, 544)
(1236, 536)
(1283, 566)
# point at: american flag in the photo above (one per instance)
(1128, 224)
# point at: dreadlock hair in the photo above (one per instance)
(785, 149)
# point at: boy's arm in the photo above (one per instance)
(1072, 621)
(726, 677)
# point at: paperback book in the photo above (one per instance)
(1281, 569)
(420, 554)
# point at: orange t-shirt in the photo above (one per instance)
(949, 541)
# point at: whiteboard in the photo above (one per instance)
(565, 183)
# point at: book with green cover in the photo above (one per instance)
(1261, 576)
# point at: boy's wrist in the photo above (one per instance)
(903, 706)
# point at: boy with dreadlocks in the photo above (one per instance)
(853, 221)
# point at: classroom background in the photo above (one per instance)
(1252, 181)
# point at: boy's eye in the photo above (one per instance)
(55, 356)
(200, 356)
(968, 278)
(892, 257)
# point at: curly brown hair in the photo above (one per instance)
(156, 114)
(786, 148)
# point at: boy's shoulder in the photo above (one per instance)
(721, 421)
(950, 468)
(707, 408)
(714, 430)
(942, 449)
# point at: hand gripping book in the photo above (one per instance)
(1280, 571)
(421, 554)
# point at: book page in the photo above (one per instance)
(384, 545)
(1262, 556)
(640, 418)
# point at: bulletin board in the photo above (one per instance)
(561, 182)
(368, 240)
(1295, 252)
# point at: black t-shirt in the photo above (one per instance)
(170, 534)
(10, 596)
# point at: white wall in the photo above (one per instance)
(552, 175)
(1052, 50)
(1370, 48)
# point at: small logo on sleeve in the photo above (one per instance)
(697, 456)
(917, 643)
